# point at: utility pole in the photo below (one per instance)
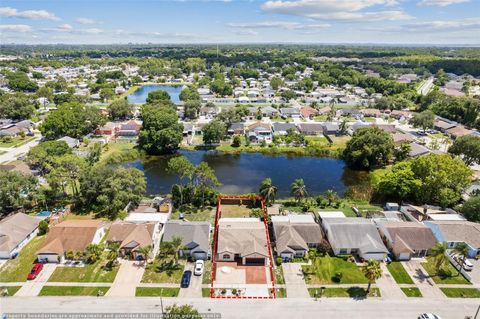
(476, 314)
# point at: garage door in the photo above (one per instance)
(202, 256)
(255, 261)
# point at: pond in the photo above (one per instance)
(242, 173)
(140, 95)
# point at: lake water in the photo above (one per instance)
(242, 173)
(140, 95)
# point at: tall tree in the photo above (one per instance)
(120, 110)
(161, 132)
(372, 271)
(468, 147)
(158, 96)
(213, 132)
(15, 190)
(268, 191)
(423, 120)
(471, 209)
(299, 190)
(461, 249)
(438, 253)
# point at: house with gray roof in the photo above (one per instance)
(15, 232)
(331, 128)
(71, 142)
(313, 129)
(417, 150)
(269, 111)
(282, 128)
(195, 237)
(295, 234)
(455, 232)
(287, 112)
(356, 236)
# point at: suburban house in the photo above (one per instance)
(331, 128)
(407, 239)
(258, 132)
(71, 142)
(295, 234)
(129, 128)
(242, 240)
(236, 129)
(455, 232)
(269, 111)
(313, 129)
(195, 237)
(428, 212)
(282, 128)
(70, 235)
(356, 236)
(109, 129)
(371, 112)
(443, 125)
(292, 112)
(15, 232)
(458, 131)
(417, 150)
(308, 112)
(132, 236)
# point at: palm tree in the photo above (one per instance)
(176, 246)
(439, 255)
(372, 271)
(331, 196)
(113, 253)
(93, 252)
(145, 251)
(268, 191)
(462, 250)
(299, 190)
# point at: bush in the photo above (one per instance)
(278, 261)
(42, 228)
(237, 141)
(338, 277)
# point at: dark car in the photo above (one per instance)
(36, 269)
(186, 279)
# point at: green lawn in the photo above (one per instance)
(324, 269)
(207, 214)
(412, 292)
(8, 291)
(156, 292)
(89, 273)
(461, 292)
(72, 291)
(164, 271)
(206, 292)
(17, 269)
(399, 273)
(448, 274)
(281, 292)
(16, 142)
(207, 272)
(115, 153)
(235, 210)
(352, 292)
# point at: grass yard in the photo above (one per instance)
(399, 273)
(73, 291)
(164, 271)
(461, 292)
(8, 291)
(323, 271)
(89, 273)
(235, 210)
(281, 292)
(207, 272)
(16, 141)
(115, 153)
(279, 279)
(206, 292)
(17, 269)
(412, 292)
(156, 292)
(352, 292)
(449, 275)
(207, 214)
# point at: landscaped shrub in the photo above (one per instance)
(338, 277)
(278, 261)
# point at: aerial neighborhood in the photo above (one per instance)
(265, 175)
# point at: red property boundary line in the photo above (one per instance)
(270, 258)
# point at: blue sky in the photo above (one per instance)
(240, 21)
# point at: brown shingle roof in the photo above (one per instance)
(242, 237)
(410, 236)
(126, 233)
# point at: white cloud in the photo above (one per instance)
(278, 25)
(342, 10)
(66, 27)
(246, 32)
(27, 14)
(22, 28)
(441, 3)
(444, 26)
(86, 21)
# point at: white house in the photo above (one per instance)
(15, 232)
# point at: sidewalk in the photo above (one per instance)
(387, 284)
(33, 287)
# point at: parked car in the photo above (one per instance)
(186, 279)
(199, 264)
(36, 269)
(428, 316)
(467, 265)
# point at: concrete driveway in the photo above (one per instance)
(195, 288)
(420, 277)
(127, 280)
(475, 273)
(387, 285)
(32, 287)
(294, 281)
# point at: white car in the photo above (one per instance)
(428, 316)
(199, 264)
